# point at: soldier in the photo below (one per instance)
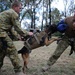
(9, 19)
(68, 27)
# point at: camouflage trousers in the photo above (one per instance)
(7, 48)
(61, 47)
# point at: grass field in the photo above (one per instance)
(65, 65)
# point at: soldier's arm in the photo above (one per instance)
(14, 34)
(18, 28)
(17, 25)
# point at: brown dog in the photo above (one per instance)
(37, 40)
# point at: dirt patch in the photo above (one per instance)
(65, 65)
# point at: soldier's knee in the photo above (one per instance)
(11, 49)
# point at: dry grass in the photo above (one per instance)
(65, 65)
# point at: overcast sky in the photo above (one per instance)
(58, 4)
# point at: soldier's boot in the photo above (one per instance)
(46, 68)
(19, 73)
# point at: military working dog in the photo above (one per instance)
(37, 40)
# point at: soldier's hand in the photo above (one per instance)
(25, 37)
(30, 33)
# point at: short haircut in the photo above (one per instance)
(15, 4)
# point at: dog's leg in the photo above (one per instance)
(25, 59)
(48, 42)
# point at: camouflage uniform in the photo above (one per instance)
(9, 19)
(64, 43)
(14, 35)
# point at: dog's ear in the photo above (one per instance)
(52, 28)
(47, 28)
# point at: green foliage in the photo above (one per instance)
(4, 5)
(57, 34)
(55, 16)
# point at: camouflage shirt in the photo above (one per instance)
(8, 19)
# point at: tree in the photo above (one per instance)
(55, 16)
(47, 14)
(4, 5)
(68, 7)
(71, 8)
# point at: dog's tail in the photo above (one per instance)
(23, 50)
(20, 51)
